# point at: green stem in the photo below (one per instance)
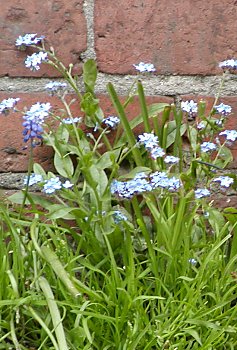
(143, 107)
(26, 190)
(130, 136)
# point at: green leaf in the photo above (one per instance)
(53, 260)
(18, 198)
(63, 165)
(37, 168)
(134, 172)
(58, 211)
(89, 75)
(171, 132)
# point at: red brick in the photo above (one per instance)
(179, 37)
(61, 21)
(11, 129)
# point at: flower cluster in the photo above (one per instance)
(228, 64)
(144, 67)
(207, 147)
(33, 120)
(202, 193)
(8, 104)
(71, 120)
(142, 183)
(33, 179)
(53, 87)
(49, 186)
(189, 107)
(27, 40)
(225, 181)
(111, 121)
(231, 135)
(151, 144)
(223, 109)
(33, 62)
(171, 160)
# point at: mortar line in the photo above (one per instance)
(88, 8)
(154, 85)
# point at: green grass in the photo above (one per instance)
(53, 296)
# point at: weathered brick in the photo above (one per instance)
(14, 158)
(179, 37)
(61, 21)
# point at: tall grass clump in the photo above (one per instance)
(123, 249)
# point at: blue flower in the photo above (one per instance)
(35, 60)
(71, 120)
(111, 121)
(225, 181)
(67, 184)
(171, 160)
(144, 67)
(54, 87)
(52, 185)
(207, 147)
(151, 144)
(231, 135)
(160, 179)
(201, 193)
(201, 125)
(118, 217)
(7, 104)
(223, 109)
(149, 140)
(33, 120)
(228, 64)
(139, 184)
(190, 107)
(27, 40)
(157, 152)
(192, 261)
(33, 179)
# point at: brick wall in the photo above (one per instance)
(184, 39)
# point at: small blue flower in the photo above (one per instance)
(67, 184)
(207, 147)
(231, 135)
(33, 179)
(118, 217)
(190, 107)
(71, 120)
(54, 87)
(201, 193)
(225, 181)
(111, 121)
(35, 60)
(228, 64)
(139, 184)
(52, 185)
(160, 179)
(192, 261)
(8, 104)
(157, 152)
(171, 160)
(28, 40)
(223, 109)
(144, 67)
(149, 140)
(201, 126)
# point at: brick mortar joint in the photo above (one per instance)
(171, 85)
